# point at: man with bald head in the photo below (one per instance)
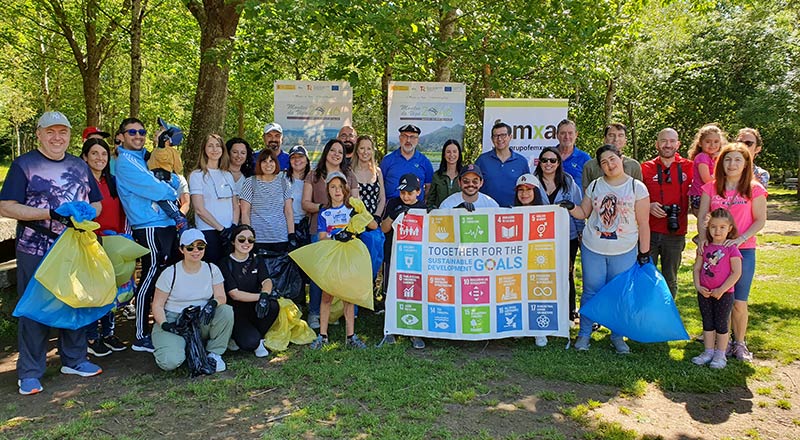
(667, 178)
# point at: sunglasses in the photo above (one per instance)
(192, 247)
(548, 160)
(247, 239)
(134, 132)
(748, 143)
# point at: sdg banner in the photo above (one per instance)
(533, 123)
(437, 108)
(488, 274)
(312, 112)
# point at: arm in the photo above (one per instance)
(289, 213)
(759, 207)
(245, 206)
(239, 295)
(159, 301)
(200, 210)
(323, 236)
(382, 196)
(307, 203)
(218, 293)
(702, 213)
(236, 209)
(705, 173)
(185, 201)
(584, 210)
(137, 179)
(18, 211)
(736, 273)
(698, 266)
(642, 211)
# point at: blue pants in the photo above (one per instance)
(33, 336)
(598, 270)
(106, 327)
(314, 292)
(741, 290)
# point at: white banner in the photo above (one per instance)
(533, 123)
(487, 274)
(312, 112)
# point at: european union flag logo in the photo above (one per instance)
(448, 89)
(334, 88)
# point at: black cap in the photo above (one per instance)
(471, 168)
(410, 128)
(298, 149)
(409, 182)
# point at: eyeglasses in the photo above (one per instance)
(134, 132)
(500, 136)
(250, 240)
(548, 160)
(408, 136)
(192, 247)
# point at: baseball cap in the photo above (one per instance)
(177, 134)
(189, 236)
(50, 119)
(298, 149)
(527, 179)
(408, 182)
(410, 128)
(334, 175)
(471, 168)
(88, 131)
(273, 126)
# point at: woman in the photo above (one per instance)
(214, 197)
(617, 209)
(299, 167)
(369, 176)
(190, 282)
(558, 186)
(445, 179)
(752, 138)
(315, 196)
(96, 153)
(241, 163)
(267, 205)
(249, 291)
(735, 190)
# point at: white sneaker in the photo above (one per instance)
(218, 359)
(541, 341)
(261, 351)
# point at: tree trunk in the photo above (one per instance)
(19, 141)
(218, 20)
(91, 95)
(632, 130)
(447, 25)
(386, 78)
(137, 17)
(611, 91)
(240, 118)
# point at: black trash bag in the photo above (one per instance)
(285, 275)
(301, 231)
(188, 326)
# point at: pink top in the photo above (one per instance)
(717, 265)
(697, 181)
(739, 206)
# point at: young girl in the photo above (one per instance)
(703, 152)
(332, 218)
(716, 271)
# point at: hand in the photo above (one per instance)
(63, 219)
(469, 206)
(262, 306)
(705, 292)
(225, 234)
(169, 327)
(566, 204)
(738, 241)
(716, 293)
(400, 209)
(656, 210)
(207, 312)
(643, 258)
(293, 244)
(344, 236)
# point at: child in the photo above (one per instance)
(409, 189)
(163, 162)
(703, 152)
(716, 271)
(330, 225)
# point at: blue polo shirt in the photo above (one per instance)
(573, 165)
(394, 165)
(500, 178)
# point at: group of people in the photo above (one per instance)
(247, 204)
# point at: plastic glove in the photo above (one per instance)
(469, 206)
(343, 236)
(169, 327)
(226, 234)
(293, 243)
(401, 209)
(63, 219)
(566, 204)
(262, 306)
(207, 312)
(643, 258)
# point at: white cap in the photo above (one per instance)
(189, 236)
(273, 126)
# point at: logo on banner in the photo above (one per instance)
(475, 320)
(509, 317)
(409, 257)
(542, 256)
(410, 229)
(441, 319)
(542, 226)
(508, 288)
(475, 290)
(409, 286)
(441, 289)
(508, 227)
(441, 229)
(542, 286)
(543, 316)
(409, 316)
(474, 228)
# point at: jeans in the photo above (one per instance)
(669, 248)
(106, 327)
(741, 290)
(598, 270)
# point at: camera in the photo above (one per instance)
(672, 217)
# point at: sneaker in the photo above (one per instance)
(387, 340)
(731, 348)
(355, 342)
(318, 343)
(84, 369)
(97, 348)
(620, 346)
(144, 344)
(261, 350)
(114, 343)
(29, 385)
(541, 341)
(218, 360)
(596, 326)
(417, 343)
(582, 343)
(313, 321)
(704, 358)
(574, 315)
(233, 346)
(741, 353)
(719, 361)
(129, 312)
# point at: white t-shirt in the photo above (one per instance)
(217, 189)
(237, 184)
(456, 199)
(611, 228)
(189, 289)
(297, 198)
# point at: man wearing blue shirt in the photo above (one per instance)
(501, 167)
(404, 160)
(572, 158)
(273, 138)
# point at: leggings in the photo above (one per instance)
(715, 312)
(248, 329)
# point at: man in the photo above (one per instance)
(94, 132)
(404, 160)
(140, 191)
(667, 178)
(615, 135)
(471, 180)
(347, 135)
(273, 139)
(501, 166)
(572, 158)
(37, 183)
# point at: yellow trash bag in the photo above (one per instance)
(337, 311)
(123, 252)
(289, 327)
(358, 223)
(77, 270)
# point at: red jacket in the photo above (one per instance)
(667, 188)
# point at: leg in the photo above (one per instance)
(219, 330)
(315, 293)
(245, 331)
(741, 292)
(618, 264)
(593, 280)
(31, 336)
(72, 347)
(214, 249)
(160, 242)
(671, 253)
(349, 318)
(170, 349)
(706, 306)
(573, 254)
(324, 313)
(107, 325)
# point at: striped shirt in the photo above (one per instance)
(266, 207)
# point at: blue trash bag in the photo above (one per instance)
(638, 304)
(38, 304)
(374, 240)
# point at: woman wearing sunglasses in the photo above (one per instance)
(249, 291)
(190, 282)
(752, 138)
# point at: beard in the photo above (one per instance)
(349, 147)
